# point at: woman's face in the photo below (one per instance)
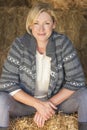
(42, 27)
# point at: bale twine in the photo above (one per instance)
(57, 122)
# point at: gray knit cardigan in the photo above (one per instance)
(19, 69)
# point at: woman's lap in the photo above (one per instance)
(10, 107)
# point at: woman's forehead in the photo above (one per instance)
(43, 15)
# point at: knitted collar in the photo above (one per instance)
(30, 43)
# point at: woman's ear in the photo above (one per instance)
(54, 25)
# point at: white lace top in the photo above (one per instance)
(43, 67)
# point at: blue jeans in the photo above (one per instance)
(10, 107)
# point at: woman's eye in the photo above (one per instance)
(35, 23)
(47, 23)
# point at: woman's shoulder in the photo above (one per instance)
(23, 38)
(56, 35)
(61, 39)
(22, 41)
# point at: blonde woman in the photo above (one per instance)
(42, 73)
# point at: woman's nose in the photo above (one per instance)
(41, 28)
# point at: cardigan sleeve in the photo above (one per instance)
(74, 76)
(10, 79)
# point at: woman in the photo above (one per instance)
(42, 73)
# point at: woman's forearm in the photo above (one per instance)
(61, 96)
(45, 108)
(25, 98)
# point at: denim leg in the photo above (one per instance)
(10, 107)
(76, 103)
(3, 128)
(4, 110)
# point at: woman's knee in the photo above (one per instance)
(83, 98)
(3, 98)
(82, 108)
(4, 109)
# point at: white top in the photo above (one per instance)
(15, 91)
(43, 68)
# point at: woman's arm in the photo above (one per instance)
(46, 109)
(61, 96)
(73, 72)
(25, 98)
(56, 100)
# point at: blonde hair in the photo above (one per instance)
(36, 10)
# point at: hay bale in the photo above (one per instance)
(69, 24)
(81, 3)
(66, 4)
(58, 122)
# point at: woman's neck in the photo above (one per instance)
(41, 47)
(41, 50)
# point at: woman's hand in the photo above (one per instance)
(46, 109)
(39, 120)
